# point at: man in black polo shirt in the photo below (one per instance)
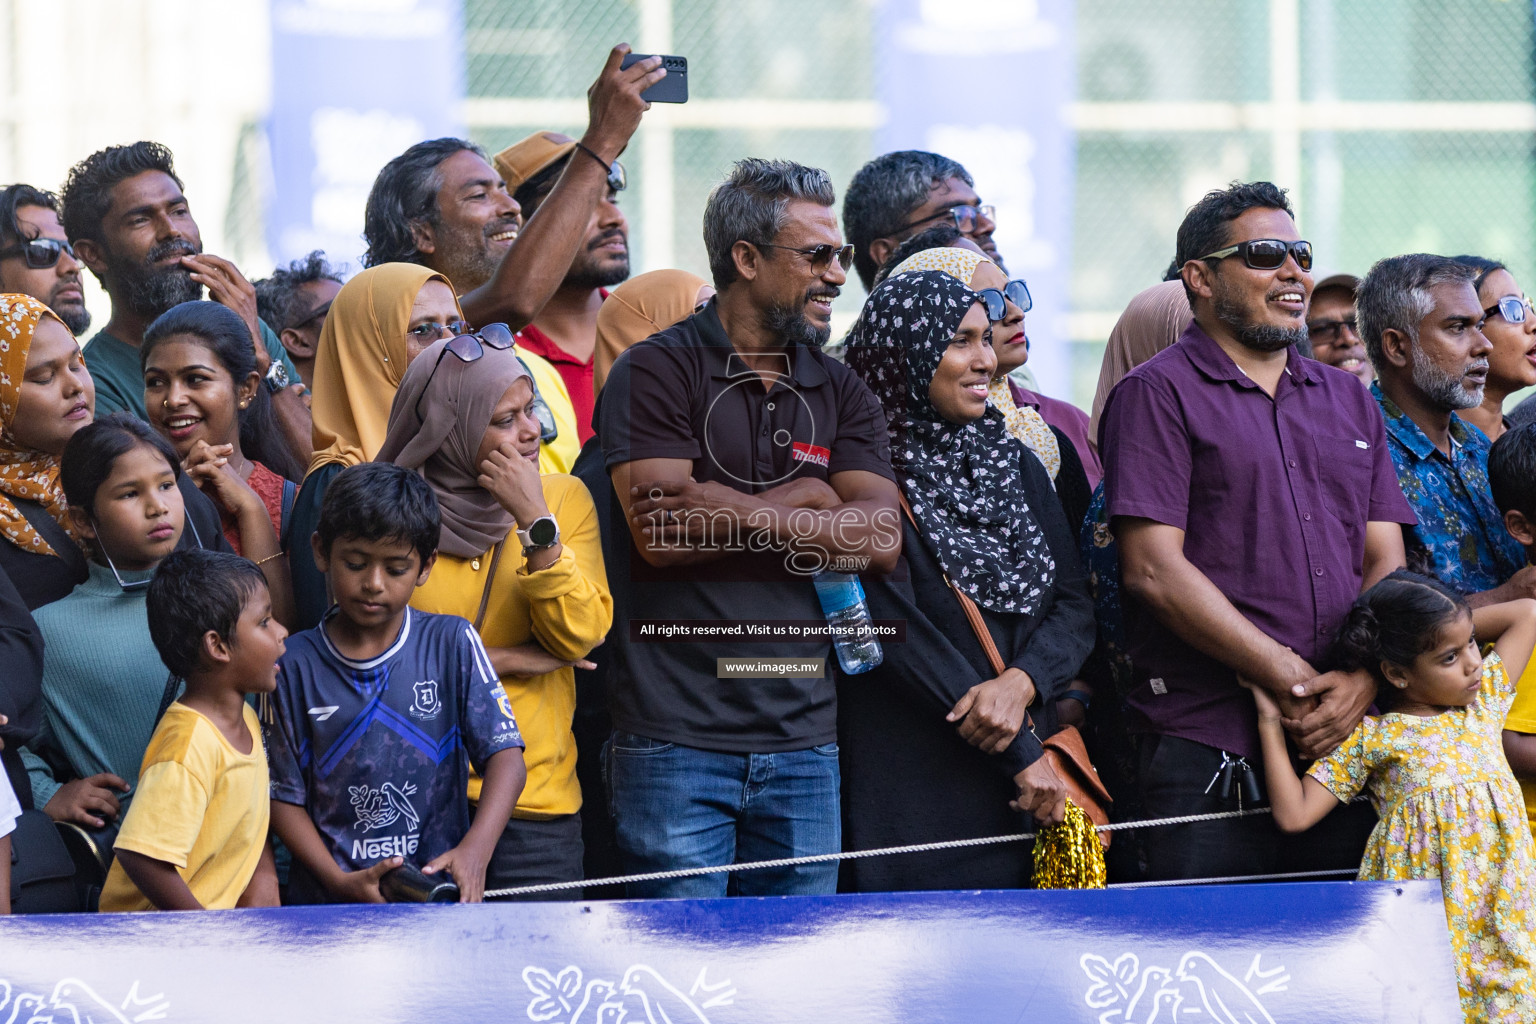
(745, 459)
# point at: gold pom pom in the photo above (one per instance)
(1069, 855)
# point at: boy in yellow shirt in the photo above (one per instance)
(195, 835)
(1512, 477)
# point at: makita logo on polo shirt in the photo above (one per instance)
(800, 451)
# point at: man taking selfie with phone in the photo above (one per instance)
(441, 204)
(564, 332)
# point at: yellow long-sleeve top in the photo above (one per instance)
(565, 608)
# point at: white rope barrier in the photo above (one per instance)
(888, 851)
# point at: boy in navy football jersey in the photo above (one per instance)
(377, 707)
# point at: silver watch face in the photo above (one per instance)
(277, 376)
(543, 533)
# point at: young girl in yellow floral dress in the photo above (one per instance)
(1433, 762)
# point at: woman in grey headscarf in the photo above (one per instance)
(520, 558)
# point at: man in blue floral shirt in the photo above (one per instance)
(1422, 325)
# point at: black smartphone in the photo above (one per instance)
(673, 88)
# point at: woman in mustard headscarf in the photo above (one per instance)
(378, 322)
(46, 395)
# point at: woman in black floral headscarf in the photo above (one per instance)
(935, 745)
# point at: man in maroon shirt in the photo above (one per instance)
(565, 330)
(1253, 498)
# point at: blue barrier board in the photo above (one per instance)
(1256, 954)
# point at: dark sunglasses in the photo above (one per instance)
(1329, 330)
(1016, 292)
(1510, 308)
(40, 253)
(468, 348)
(965, 217)
(618, 181)
(820, 256)
(1266, 253)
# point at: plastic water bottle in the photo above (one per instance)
(853, 632)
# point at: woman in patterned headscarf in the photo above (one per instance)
(46, 395)
(1053, 446)
(936, 731)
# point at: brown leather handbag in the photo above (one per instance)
(1064, 749)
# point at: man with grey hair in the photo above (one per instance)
(1422, 325)
(745, 459)
(896, 195)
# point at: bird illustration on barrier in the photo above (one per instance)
(1197, 991)
(641, 996)
(74, 1002)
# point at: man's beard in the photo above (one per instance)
(75, 316)
(790, 325)
(149, 290)
(1259, 337)
(1442, 388)
(465, 255)
(587, 273)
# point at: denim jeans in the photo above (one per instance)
(679, 807)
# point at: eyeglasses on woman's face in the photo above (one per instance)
(1015, 291)
(425, 334)
(468, 347)
(1513, 308)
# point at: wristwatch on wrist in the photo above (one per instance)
(277, 377)
(542, 533)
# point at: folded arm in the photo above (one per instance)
(674, 520)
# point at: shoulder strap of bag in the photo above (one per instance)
(54, 534)
(972, 613)
(172, 688)
(290, 491)
(1065, 750)
(485, 594)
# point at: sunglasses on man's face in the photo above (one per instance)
(1015, 291)
(618, 181)
(468, 348)
(1512, 308)
(821, 256)
(966, 217)
(1266, 253)
(1329, 331)
(40, 253)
